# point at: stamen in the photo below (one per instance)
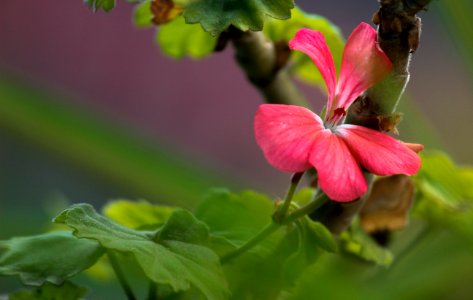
(338, 114)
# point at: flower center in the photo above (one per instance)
(338, 114)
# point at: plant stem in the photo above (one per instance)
(120, 276)
(398, 35)
(305, 210)
(274, 225)
(264, 233)
(281, 212)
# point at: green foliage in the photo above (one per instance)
(302, 66)
(137, 214)
(48, 291)
(142, 16)
(57, 256)
(178, 39)
(444, 184)
(275, 263)
(355, 241)
(175, 255)
(235, 217)
(95, 5)
(216, 16)
(445, 194)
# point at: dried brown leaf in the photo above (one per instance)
(388, 205)
(164, 11)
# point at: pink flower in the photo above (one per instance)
(295, 139)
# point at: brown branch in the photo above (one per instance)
(398, 35)
(263, 63)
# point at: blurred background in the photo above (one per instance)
(90, 110)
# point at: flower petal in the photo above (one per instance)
(312, 43)
(286, 133)
(378, 152)
(363, 65)
(339, 175)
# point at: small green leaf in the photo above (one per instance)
(236, 217)
(321, 236)
(445, 194)
(176, 257)
(137, 214)
(184, 227)
(95, 5)
(217, 15)
(443, 183)
(50, 257)
(302, 66)
(304, 196)
(357, 242)
(178, 39)
(142, 16)
(49, 291)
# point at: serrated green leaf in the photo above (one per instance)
(95, 5)
(358, 243)
(142, 15)
(171, 259)
(49, 291)
(216, 16)
(301, 65)
(137, 214)
(178, 39)
(57, 256)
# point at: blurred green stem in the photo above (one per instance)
(281, 212)
(120, 276)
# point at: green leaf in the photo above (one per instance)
(142, 15)
(95, 5)
(184, 227)
(304, 196)
(235, 217)
(312, 237)
(445, 194)
(355, 241)
(137, 214)
(174, 256)
(216, 16)
(321, 236)
(443, 183)
(178, 39)
(50, 257)
(277, 261)
(48, 291)
(302, 66)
